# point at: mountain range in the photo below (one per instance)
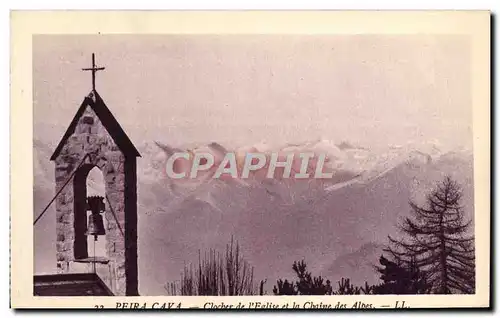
(337, 226)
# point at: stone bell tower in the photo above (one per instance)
(95, 139)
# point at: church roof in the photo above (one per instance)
(109, 122)
(85, 284)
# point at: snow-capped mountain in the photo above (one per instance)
(329, 223)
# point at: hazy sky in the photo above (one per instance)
(240, 90)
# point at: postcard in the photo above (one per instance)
(247, 160)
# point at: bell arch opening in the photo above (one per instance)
(90, 223)
(97, 223)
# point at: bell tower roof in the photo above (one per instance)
(114, 129)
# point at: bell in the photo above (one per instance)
(96, 224)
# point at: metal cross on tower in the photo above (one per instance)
(94, 69)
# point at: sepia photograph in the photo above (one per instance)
(220, 164)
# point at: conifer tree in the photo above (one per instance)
(437, 241)
(306, 284)
(400, 278)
